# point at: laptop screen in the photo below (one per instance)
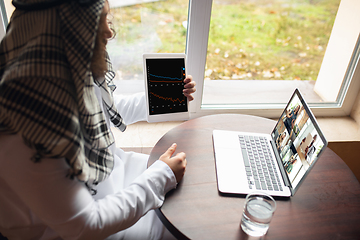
(298, 139)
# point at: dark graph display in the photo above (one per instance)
(165, 85)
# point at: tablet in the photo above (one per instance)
(164, 83)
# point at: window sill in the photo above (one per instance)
(340, 129)
(256, 91)
(143, 134)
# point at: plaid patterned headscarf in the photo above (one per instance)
(46, 88)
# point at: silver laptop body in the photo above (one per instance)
(285, 158)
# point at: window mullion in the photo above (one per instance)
(197, 43)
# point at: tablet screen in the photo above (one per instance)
(165, 84)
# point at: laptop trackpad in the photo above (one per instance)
(231, 175)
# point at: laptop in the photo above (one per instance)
(275, 163)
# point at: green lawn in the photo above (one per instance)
(249, 39)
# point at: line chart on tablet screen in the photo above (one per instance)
(165, 85)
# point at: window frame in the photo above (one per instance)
(198, 33)
(199, 15)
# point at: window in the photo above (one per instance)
(267, 98)
(267, 43)
(144, 27)
(185, 25)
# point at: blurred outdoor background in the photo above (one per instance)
(248, 39)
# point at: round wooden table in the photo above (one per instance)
(327, 205)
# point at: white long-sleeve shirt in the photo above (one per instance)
(38, 201)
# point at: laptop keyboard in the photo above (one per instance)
(259, 164)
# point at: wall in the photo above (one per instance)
(349, 151)
(355, 112)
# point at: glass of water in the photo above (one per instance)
(258, 211)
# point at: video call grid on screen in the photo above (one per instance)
(165, 85)
(297, 140)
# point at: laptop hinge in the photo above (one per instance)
(282, 170)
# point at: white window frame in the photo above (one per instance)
(340, 67)
(343, 48)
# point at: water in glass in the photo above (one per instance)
(256, 217)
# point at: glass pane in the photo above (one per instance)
(145, 27)
(266, 46)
